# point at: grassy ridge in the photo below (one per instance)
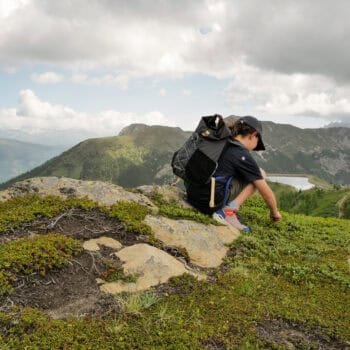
(295, 271)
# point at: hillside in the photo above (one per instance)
(331, 202)
(139, 155)
(283, 286)
(142, 154)
(18, 157)
(321, 152)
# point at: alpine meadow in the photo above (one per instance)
(174, 175)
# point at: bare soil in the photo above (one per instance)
(296, 336)
(73, 290)
(79, 224)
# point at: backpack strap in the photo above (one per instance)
(212, 189)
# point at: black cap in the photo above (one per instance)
(256, 124)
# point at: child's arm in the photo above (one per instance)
(270, 199)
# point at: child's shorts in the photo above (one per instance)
(237, 187)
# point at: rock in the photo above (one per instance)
(169, 193)
(100, 192)
(93, 244)
(205, 244)
(151, 265)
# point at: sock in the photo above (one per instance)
(232, 204)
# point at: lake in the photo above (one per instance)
(299, 182)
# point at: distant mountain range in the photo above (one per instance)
(141, 154)
(338, 125)
(17, 157)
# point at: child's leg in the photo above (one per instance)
(240, 195)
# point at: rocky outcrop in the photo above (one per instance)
(204, 244)
(150, 265)
(167, 192)
(92, 245)
(100, 192)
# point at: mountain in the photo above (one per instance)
(338, 125)
(321, 152)
(141, 154)
(17, 157)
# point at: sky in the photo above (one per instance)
(74, 69)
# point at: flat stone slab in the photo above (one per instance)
(152, 266)
(99, 191)
(93, 244)
(205, 244)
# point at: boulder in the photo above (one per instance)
(205, 244)
(169, 193)
(93, 244)
(152, 266)
(99, 191)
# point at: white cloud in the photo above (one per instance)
(7, 7)
(47, 78)
(274, 95)
(162, 92)
(284, 57)
(186, 92)
(146, 37)
(121, 81)
(35, 116)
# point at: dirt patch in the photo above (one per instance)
(79, 224)
(71, 291)
(213, 344)
(296, 336)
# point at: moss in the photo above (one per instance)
(172, 210)
(115, 272)
(131, 214)
(38, 254)
(19, 210)
(308, 287)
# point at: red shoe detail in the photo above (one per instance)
(230, 212)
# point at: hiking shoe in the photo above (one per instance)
(219, 216)
(232, 219)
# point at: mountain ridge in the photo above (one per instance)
(17, 156)
(141, 154)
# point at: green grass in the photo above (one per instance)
(295, 270)
(314, 202)
(172, 210)
(38, 254)
(132, 215)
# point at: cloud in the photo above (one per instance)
(172, 38)
(291, 95)
(47, 78)
(37, 117)
(282, 57)
(121, 81)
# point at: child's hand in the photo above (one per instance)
(275, 216)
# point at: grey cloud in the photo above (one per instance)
(295, 36)
(283, 36)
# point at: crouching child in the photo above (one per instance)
(237, 177)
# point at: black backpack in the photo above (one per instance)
(196, 161)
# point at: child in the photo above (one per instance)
(236, 163)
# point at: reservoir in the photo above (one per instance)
(299, 182)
